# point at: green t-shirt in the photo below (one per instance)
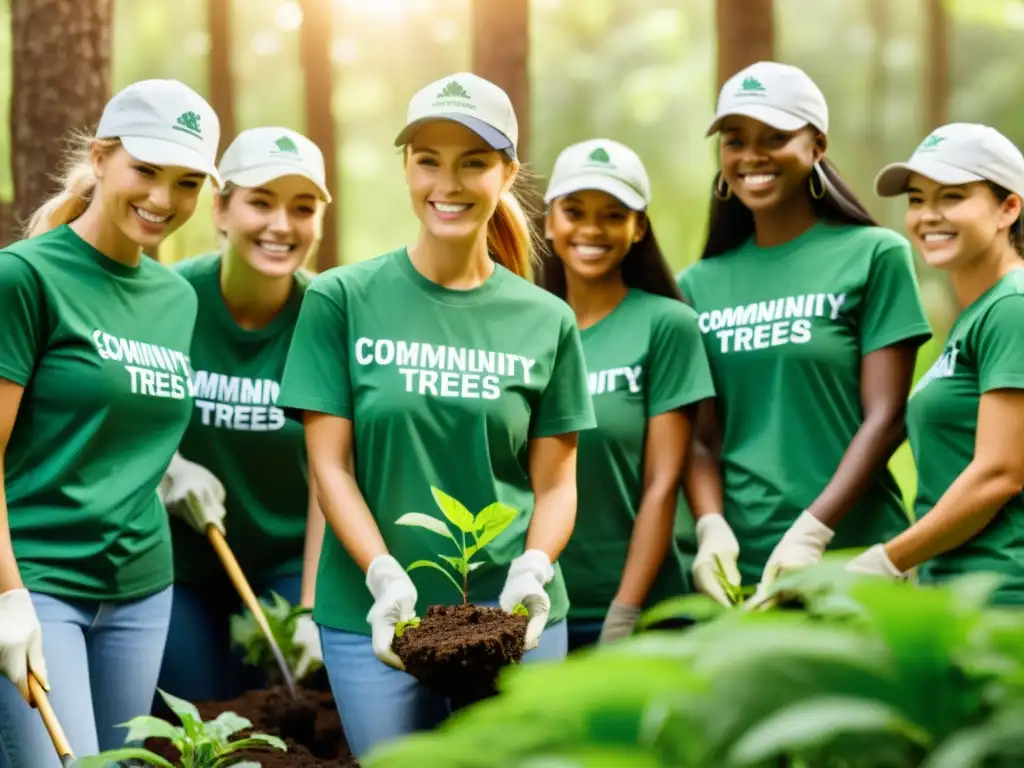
(238, 432)
(644, 359)
(445, 388)
(785, 329)
(984, 351)
(102, 351)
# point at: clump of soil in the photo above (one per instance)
(458, 650)
(310, 726)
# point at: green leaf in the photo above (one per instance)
(186, 712)
(435, 566)
(521, 610)
(457, 563)
(814, 722)
(104, 759)
(695, 607)
(253, 741)
(401, 626)
(974, 747)
(419, 520)
(225, 725)
(146, 727)
(489, 522)
(453, 509)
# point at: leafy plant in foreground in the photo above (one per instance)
(483, 527)
(281, 617)
(200, 744)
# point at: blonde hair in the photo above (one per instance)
(77, 180)
(511, 233)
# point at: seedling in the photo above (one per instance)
(484, 527)
(201, 745)
(281, 617)
(735, 593)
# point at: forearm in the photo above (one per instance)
(554, 515)
(315, 526)
(345, 510)
(967, 506)
(702, 482)
(10, 576)
(650, 542)
(869, 451)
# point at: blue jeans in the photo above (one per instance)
(102, 661)
(378, 703)
(200, 663)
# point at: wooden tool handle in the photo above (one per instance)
(60, 741)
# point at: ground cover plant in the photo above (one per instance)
(281, 618)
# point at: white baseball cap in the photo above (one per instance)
(958, 153)
(260, 155)
(780, 95)
(604, 165)
(164, 122)
(469, 100)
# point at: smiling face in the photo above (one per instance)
(954, 226)
(455, 180)
(273, 227)
(146, 202)
(764, 166)
(591, 232)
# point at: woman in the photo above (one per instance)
(812, 320)
(438, 366)
(239, 450)
(94, 375)
(648, 370)
(964, 187)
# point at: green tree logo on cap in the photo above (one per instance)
(285, 144)
(752, 84)
(599, 155)
(931, 142)
(453, 91)
(189, 123)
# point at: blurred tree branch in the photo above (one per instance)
(746, 34)
(221, 76)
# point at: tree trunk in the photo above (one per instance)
(745, 31)
(60, 82)
(501, 54)
(222, 84)
(318, 73)
(936, 81)
(878, 83)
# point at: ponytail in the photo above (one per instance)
(510, 236)
(78, 182)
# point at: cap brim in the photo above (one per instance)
(892, 179)
(495, 139)
(776, 118)
(256, 177)
(622, 192)
(161, 152)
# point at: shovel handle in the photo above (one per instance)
(241, 584)
(42, 703)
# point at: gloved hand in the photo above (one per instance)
(715, 539)
(307, 637)
(194, 494)
(21, 641)
(875, 561)
(524, 584)
(619, 622)
(395, 598)
(802, 545)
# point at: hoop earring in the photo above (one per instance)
(720, 185)
(815, 173)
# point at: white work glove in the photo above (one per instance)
(802, 545)
(194, 494)
(21, 641)
(394, 597)
(307, 637)
(619, 622)
(715, 539)
(524, 585)
(875, 562)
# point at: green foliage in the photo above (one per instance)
(851, 672)
(201, 745)
(484, 527)
(281, 617)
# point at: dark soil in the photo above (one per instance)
(309, 726)
(458, 650)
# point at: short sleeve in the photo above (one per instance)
(565, 404)
(893, 311)
(678, 372)
(998, 345)
(682, 281)
(316, 376)
(25, 322)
